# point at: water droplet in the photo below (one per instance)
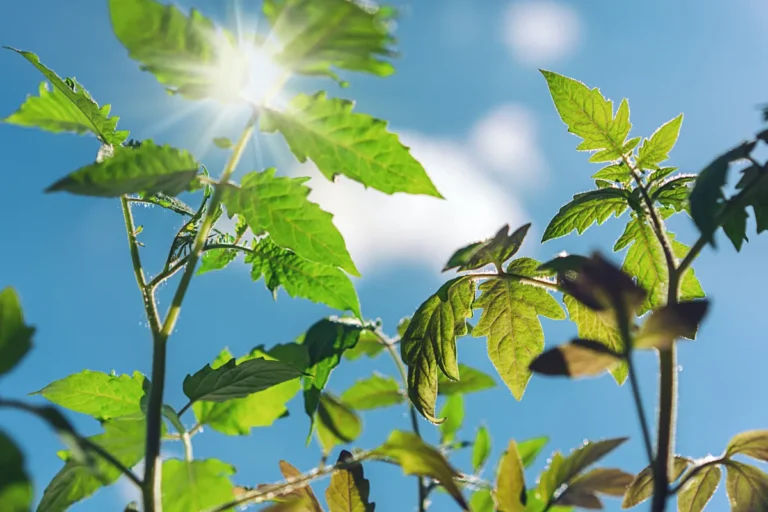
(680, 368)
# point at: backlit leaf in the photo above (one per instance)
(756, 197)
(217, 259)
(453, 412)
(579, 358)
(697, 492)
(481, 501)
(238, 416)
(15, 335)
(316, 38)
(196, 484)
(279, 205)
(481, 448)
(301, 490)
(16, 492)
(185, 53)
(510, 495)
(235, 379)
(123, 438)
(615, 172)
(429, 343)
(301, 277)
(590, 116)
(67, 107)
(608, 481)
(98, 394)
(149, 169)
(656, 149)
(368, 344)
(690, 288)
(641, 487)
(670, 322)
(747, 487)
(511, 324)
(336, 423)
(530, 449)
(496, 250)
(472, 381)
(373, 392)
(418, 458)
(222, 142)
(645, 260)
(349, 490)
(586, 209)
(753, 443)
(356, 145)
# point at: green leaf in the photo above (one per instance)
(690, 288)
(349, 490)
(68, 107)
(418, 458)
(753, 443)
(300, 277)
(756, 197)
(240, 415)
(535, 504)
(222, 142)
(217, 259)
(98, 394)
(645, 260)
(325, 341)
(608, 481)
(149, 169)
(618, 173)
(235, 379)
(510, 493)
(429, 342)
(122, 438)
(169, 203)
(372, 393)
(530, 449)
(339, 141)
(15, 335)
(586, 209)
(747, 487)
(337, 34)
(656, 149)
(481, 501)
(674, 192)
(496, 250)
(337, 423)
(659, 174)
(562, 470)
(595, 326)
(368, 344)
(672, 321)
(481, 448)
(16, 492)
(697, 492)
(196, 484)
(472, 381)
(590, 116)
(641, 487)
(279, 205)
(735, 227)
(579, 358)
(511, 324)
(185, 53)
(453, 412)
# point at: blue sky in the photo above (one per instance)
(468, 99)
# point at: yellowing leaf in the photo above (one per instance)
(697, 491)
(753, 443)
(641, 487)
(301, 490)
(339, 141)
(747, 487)
(579, 358)
(510, 482)
(349, 490)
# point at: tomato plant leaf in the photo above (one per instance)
(472, 381)
(336, 422)
(67, 107)
(585, 209)
(238, 416)
(279, 205)
(185, 53)
(697, 491)
(15, 335)
(618, 173)
(496, 250)
(149, 169)
(481, 448)
(368, 345)
(196, 484)
(217, 259)
(655, 150)
(373, 393)
(356, 145)
(429, 343)
(608, 481)
(15, 486)
(753, 443)
(590, 116)
(511, 324)
(302, 491)
(530, 449)
(667, 323)
(301, 277)
(747, 487)
(418, 458)
(510, 492)
(349, 490)
(756, 197)
(690, 288)
(481, 501)
(641, 487)
(98, 394)
(339, 34)
(645, 260)
(453, 412)
(122, 438)
(579, 358)
(235, 379)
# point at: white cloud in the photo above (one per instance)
(506, 140)
(540, 32)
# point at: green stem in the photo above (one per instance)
(152, 462)
(640, 409)
(693, 472)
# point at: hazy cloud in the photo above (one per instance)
(540, 32)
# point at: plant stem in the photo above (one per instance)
(152, 463)
(693, 472)
(534, 281)
(640, 409)
(422, 488)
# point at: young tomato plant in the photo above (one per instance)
(649, 303)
